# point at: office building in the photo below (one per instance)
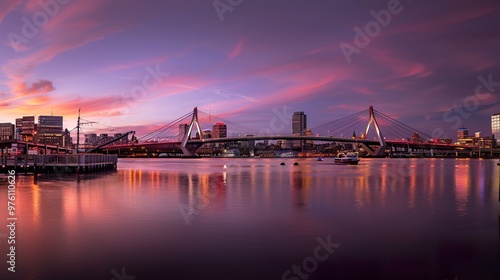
(299, 126)
(124, 140)
(91, 139)
(183, 130)
(67, 139)
(495, 127)
(103, 138)
(309, 144)
(28, 129)
(19, 128)
(219, 130)
(207, 134)
(50, 130)
(299, 123)
(7, 131)
(462, 133)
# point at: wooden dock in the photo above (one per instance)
(67, 163)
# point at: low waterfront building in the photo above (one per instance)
(219, 130)
(7, 131)
(91, 138)
(28, 129)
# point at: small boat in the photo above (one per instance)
(320, 159)
(346, 158)
(498, 163)
(288, 154)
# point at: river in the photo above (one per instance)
(234, 218)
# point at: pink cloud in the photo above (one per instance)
(238, 48)
(304, 86)
(6, 6)
(70, 28)
(42, 86)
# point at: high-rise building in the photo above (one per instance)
(28, 128)
(183, 130)
(50, 130)
(299, 123)
(462, 133)
(299, 126)
(495, 127)
(219, 130)
(7, 131)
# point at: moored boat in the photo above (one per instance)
(346, 158)
(287, 154)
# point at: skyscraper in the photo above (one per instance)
(50, 130)
(299, 126)
(299, 123)
(495, 127)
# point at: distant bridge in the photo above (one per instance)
(361, 121)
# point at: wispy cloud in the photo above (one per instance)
(238, 48)
(6, 6)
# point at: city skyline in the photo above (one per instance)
(135, 65)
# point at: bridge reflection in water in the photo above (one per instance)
(394, 219)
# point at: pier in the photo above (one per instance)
(67, 163)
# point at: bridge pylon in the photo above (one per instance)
(187, 136)
(381, 150)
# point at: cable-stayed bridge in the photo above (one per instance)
(374, 131)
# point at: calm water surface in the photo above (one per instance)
(255, 219)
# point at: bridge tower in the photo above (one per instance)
(380, 151)
(187, 136)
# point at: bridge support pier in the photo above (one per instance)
(194, 121)
(381, 150)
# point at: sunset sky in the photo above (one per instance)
(137, 64)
